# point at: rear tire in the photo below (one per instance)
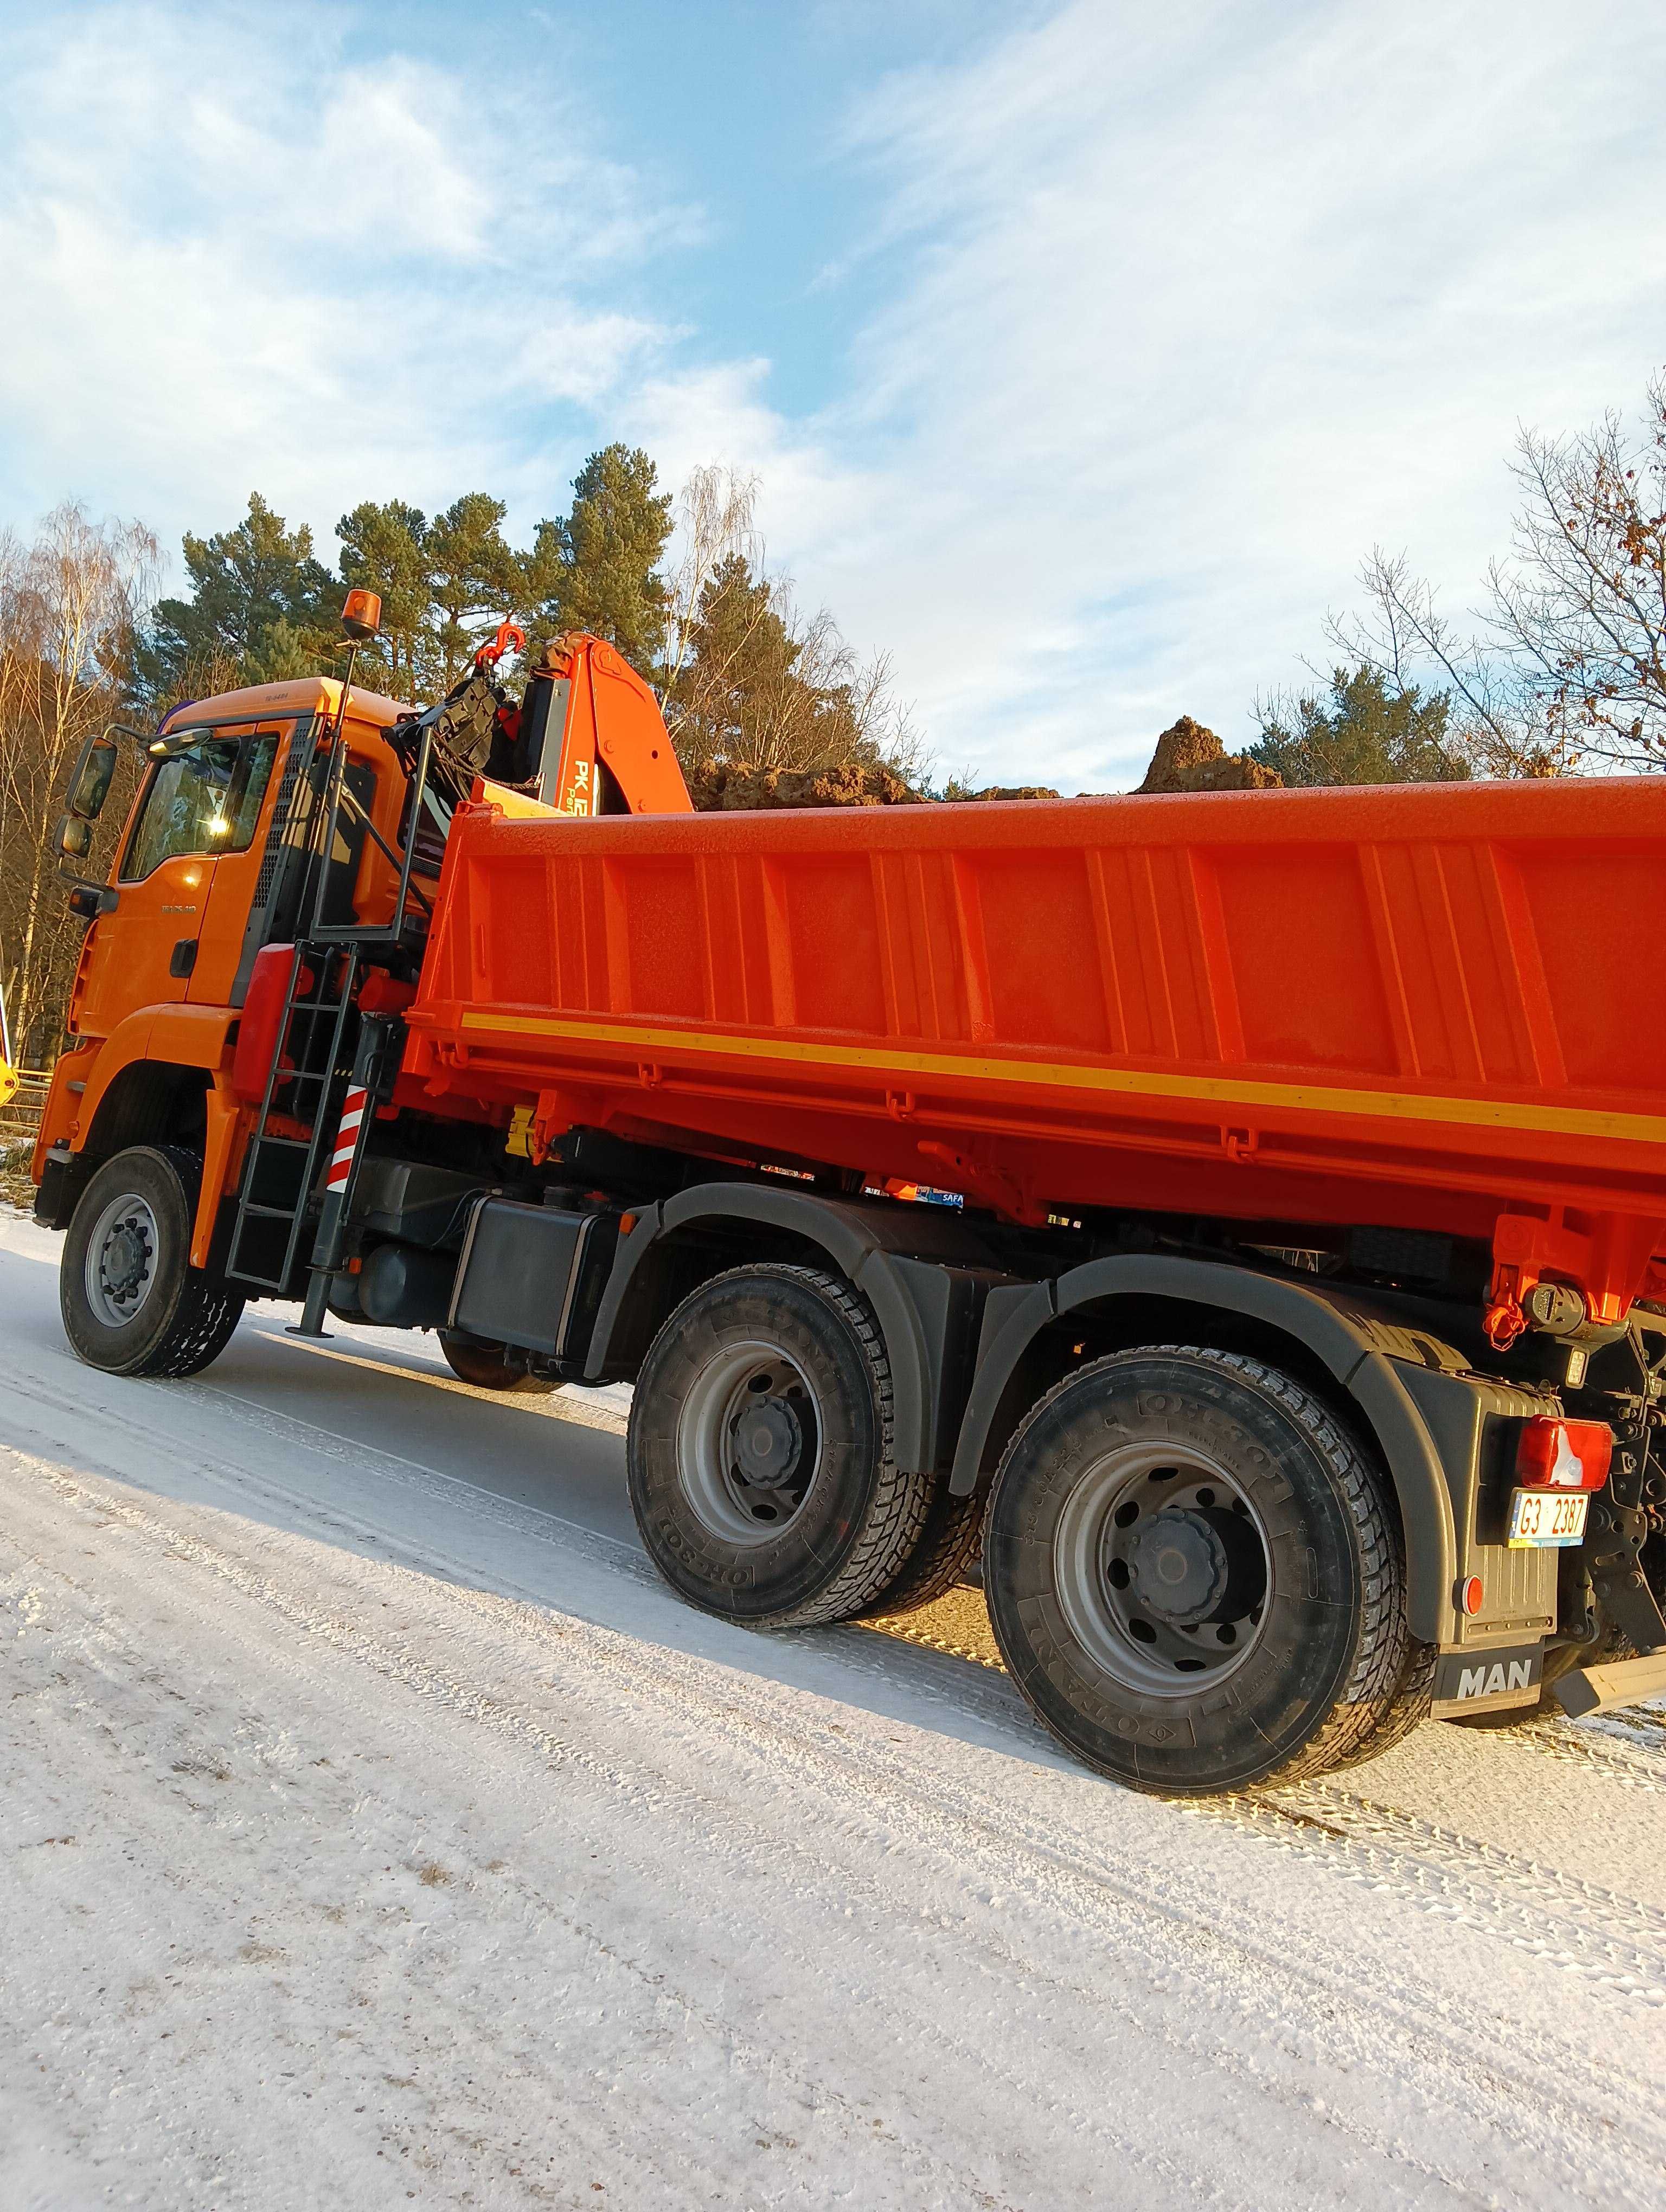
(949, 1544)
(1193, 1574)
(760, 1451)
(1407, 1708)
(488, 1366)
(133, 1302)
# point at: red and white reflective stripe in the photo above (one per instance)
(347, 1138)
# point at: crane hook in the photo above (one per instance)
(510, 638)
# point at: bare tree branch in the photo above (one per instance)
(70, 606)
(1565, 665)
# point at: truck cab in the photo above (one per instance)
(279, 811)
(206, 872)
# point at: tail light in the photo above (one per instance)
(1553, 1455)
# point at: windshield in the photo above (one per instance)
(205, 798)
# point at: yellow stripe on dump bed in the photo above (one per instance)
(1062, 1075)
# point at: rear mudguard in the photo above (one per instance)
(1362, 1352)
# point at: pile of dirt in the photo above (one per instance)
(1188, 757)
(1011, 791)
(717, 787)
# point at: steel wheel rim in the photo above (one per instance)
(120, 1270)
(746, 1393)
(1162, 1569)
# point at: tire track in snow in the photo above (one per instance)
(1404, 1848)
(1594, 1933)
(1187, 2184)
(1617, 1757)
(1436, 1870)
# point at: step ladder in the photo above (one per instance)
(280, 1199)
(319, 1034)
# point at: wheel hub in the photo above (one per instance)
(126, 1256)
(1163, 1568)
(121, 1263)
(1178, 1567)
(768, 1441)
(749, 1442)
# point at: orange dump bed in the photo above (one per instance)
(1423, 1007)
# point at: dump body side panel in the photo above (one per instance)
(1349, 1007)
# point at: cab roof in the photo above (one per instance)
(300, 695)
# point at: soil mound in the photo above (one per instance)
(1189, 757)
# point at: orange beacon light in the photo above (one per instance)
(361, 616)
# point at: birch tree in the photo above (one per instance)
(71, 601)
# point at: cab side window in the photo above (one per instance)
(204, 799)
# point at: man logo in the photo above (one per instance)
(1486, 1682)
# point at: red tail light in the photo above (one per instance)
(1555, 1454)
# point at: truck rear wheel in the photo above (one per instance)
(1406, 1709)
(760, 1451)
(132, 1301)
(1194, 1575)
(488, 1366)
(949, 1544)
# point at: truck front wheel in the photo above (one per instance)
(760, 1460)
(1194, 1575)
(132, 1301)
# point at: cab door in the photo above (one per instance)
(201, 799)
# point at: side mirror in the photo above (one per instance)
(74, 837)
(89, 787)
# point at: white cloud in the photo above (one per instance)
(1182, 311)
(230, 260)
(1165, 317)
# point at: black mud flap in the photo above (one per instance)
(1487, 1681)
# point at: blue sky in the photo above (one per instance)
(1083, 349)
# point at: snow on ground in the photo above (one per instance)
(375, 1827)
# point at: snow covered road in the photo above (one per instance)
(376, 1828)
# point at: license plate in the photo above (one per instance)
(1541, 1517)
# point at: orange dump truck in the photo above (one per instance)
(1289, 1349)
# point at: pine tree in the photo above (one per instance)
(384, 548)
(244, 582)
(474, 579)
(759, 689)
(599, 570)
(737, 689)
(1369, 732)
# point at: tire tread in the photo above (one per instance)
(1386, 1693)
(209, 1311)
(897, 1518)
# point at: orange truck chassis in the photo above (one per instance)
(1284, 1341)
